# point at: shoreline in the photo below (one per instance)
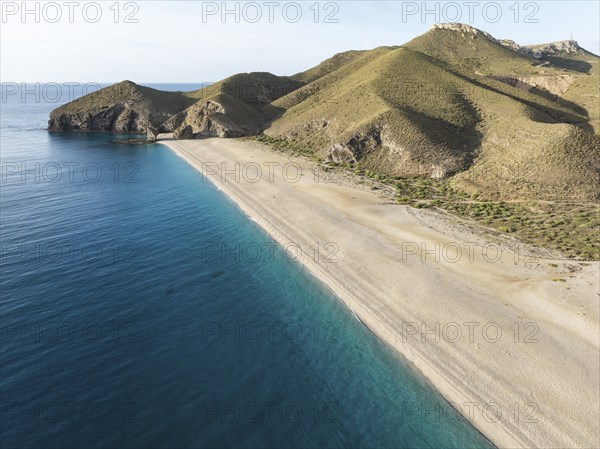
(400, 285)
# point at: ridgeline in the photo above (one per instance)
(454, 118)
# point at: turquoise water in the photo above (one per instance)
(121, 325)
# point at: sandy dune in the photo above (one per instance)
(516, 351)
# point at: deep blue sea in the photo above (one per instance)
(140, 308)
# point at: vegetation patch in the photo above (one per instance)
(568, 227)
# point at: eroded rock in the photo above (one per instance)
(185, 132)
(356, 148)
(152, 134)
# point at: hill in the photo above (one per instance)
(123, 108)
(237, 106)
(455, 118)
(455, 102)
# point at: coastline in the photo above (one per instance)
(388, 270)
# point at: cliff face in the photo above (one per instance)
(211, 119)
(121, 109)
(464, 29)
(116, 118)
(237, 106)
(542, 51)
(568, 47)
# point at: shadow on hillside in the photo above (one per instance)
(561, 101)
(570, 64)
(461, 144)
(576, 118)
(271, 114)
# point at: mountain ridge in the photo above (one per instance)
(438, 106)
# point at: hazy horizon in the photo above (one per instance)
(283, 38)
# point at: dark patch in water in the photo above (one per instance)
(132, 141)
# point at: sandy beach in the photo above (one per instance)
(510, 340)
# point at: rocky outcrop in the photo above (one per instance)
(463, 29)
(341, 154)
(542, 51)
(174, 122)
(212, 119)
(184, 132)
(555, 84)
(356, 148)
(534, 51)
(236, 106)
(152, 134)
(124, 108)
(569, 47)
(115, 118)
(519, 49)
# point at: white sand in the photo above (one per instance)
(389, 288)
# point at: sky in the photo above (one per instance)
(195, 41)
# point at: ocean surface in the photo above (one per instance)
(140, 308)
